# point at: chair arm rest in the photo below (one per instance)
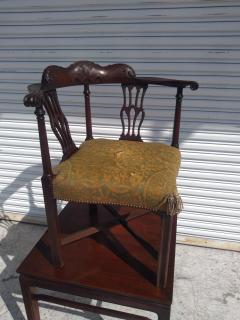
(38, 87)
(33, 99)
(168, 82)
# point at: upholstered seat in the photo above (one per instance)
(121, 172)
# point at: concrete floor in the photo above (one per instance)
(207, 281)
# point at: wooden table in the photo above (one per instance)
(114, 265)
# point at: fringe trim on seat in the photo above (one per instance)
(171, 205)
(174, 204)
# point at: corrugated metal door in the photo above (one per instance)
(195, 40)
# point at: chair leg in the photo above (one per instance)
(53, 224)
(164, 315)
(164, 250)
(31, 304)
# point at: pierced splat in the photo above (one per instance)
(132, 113)
(59, 123)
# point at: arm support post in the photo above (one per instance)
(177, 118)
(35, 99)
(86, 93)
(46, 162)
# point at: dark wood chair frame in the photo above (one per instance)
(43, 97)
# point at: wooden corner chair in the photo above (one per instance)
(111, 173)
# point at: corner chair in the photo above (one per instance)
(127, 178)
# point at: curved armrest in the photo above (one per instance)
(33, 99)
(168, 82)
(34, 87)
(35, 96)
(38, 87)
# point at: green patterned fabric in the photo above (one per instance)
(121, 172)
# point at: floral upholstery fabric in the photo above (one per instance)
(120, 172)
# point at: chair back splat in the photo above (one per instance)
(59, 123)
(131, 123)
